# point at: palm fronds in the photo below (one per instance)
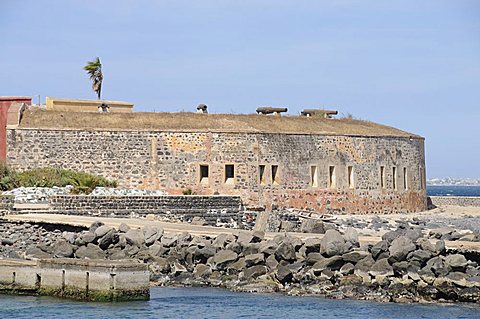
(94, 70)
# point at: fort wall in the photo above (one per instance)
(325, 173)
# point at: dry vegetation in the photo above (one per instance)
(193, 122)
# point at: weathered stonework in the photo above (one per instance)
(212, 209)
(434, 201)
(171, 161)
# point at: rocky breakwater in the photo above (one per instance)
(403, 267)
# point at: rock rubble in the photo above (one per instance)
(404, 266)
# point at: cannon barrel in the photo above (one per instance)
(271, 110)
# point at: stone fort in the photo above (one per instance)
(314, 163)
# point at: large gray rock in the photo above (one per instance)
(381, 267)
(285, 251)
(284, 274)
(107, 239)
(351, 236)
(365, 264)
(102, 230)
(399, 248)
(312, 226)
(332, 244)
(90, 251)
(312, 258)
(333, 263)
(254, 271)
(254, 259)
(202, 271)
(135, 237)
(355, 256)
(123, 228)
(438, 267)
(152, 234)
(421, 256)
(457, 262)
(88, 237)
(62, 249)
(223, 257)
(312, 245)
(379, 249)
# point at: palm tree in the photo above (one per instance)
(94, 69)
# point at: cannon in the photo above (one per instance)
(271, 110)
(328, 114)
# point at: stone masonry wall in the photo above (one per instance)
(171, 161)
(454, 200)
(212, 209)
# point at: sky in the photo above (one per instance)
(411, 64)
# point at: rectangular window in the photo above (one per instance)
(394, 178)
(382, 176)
(350, 176)
(332, 183)
(261, 171)
(275, 175)
(405, 178)
(204, 174)
(229, 174)
(313, 176)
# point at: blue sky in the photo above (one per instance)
(410, 64)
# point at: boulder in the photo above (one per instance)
(399, 248)
(62, 249)
(254, 271)
(88, 237)
(421, 256)
(102, 230)
(381, 267)
(351, 236)
(355, 256)
(169, 241)
(312, 258)
(284, 274)
(312, 226)
(95, 225)
(379, 248)
(457, 262)
(312, 245)
(365, 264)
(35, 252)
(202, 271)
(90, 251)
(285, 251)
(238, 266)
(438, 267)
(334, 263)
(223, 257)
(254, 259)
(244, 238)
(271, 262)
(152, 234)
(134, 237)
(107, 239)
(123, 228)
(347, 269)
(332, 243)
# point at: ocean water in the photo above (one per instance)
(218, 303)
(453, 190)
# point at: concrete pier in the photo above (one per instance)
(89, 280)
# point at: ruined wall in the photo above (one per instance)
(454, 201)
(171, 161)
(212, 209)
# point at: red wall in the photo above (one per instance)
(5, 103)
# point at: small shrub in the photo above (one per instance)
(83, 183)
(188, 191)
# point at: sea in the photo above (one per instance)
(453, 190)
(219, 303)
